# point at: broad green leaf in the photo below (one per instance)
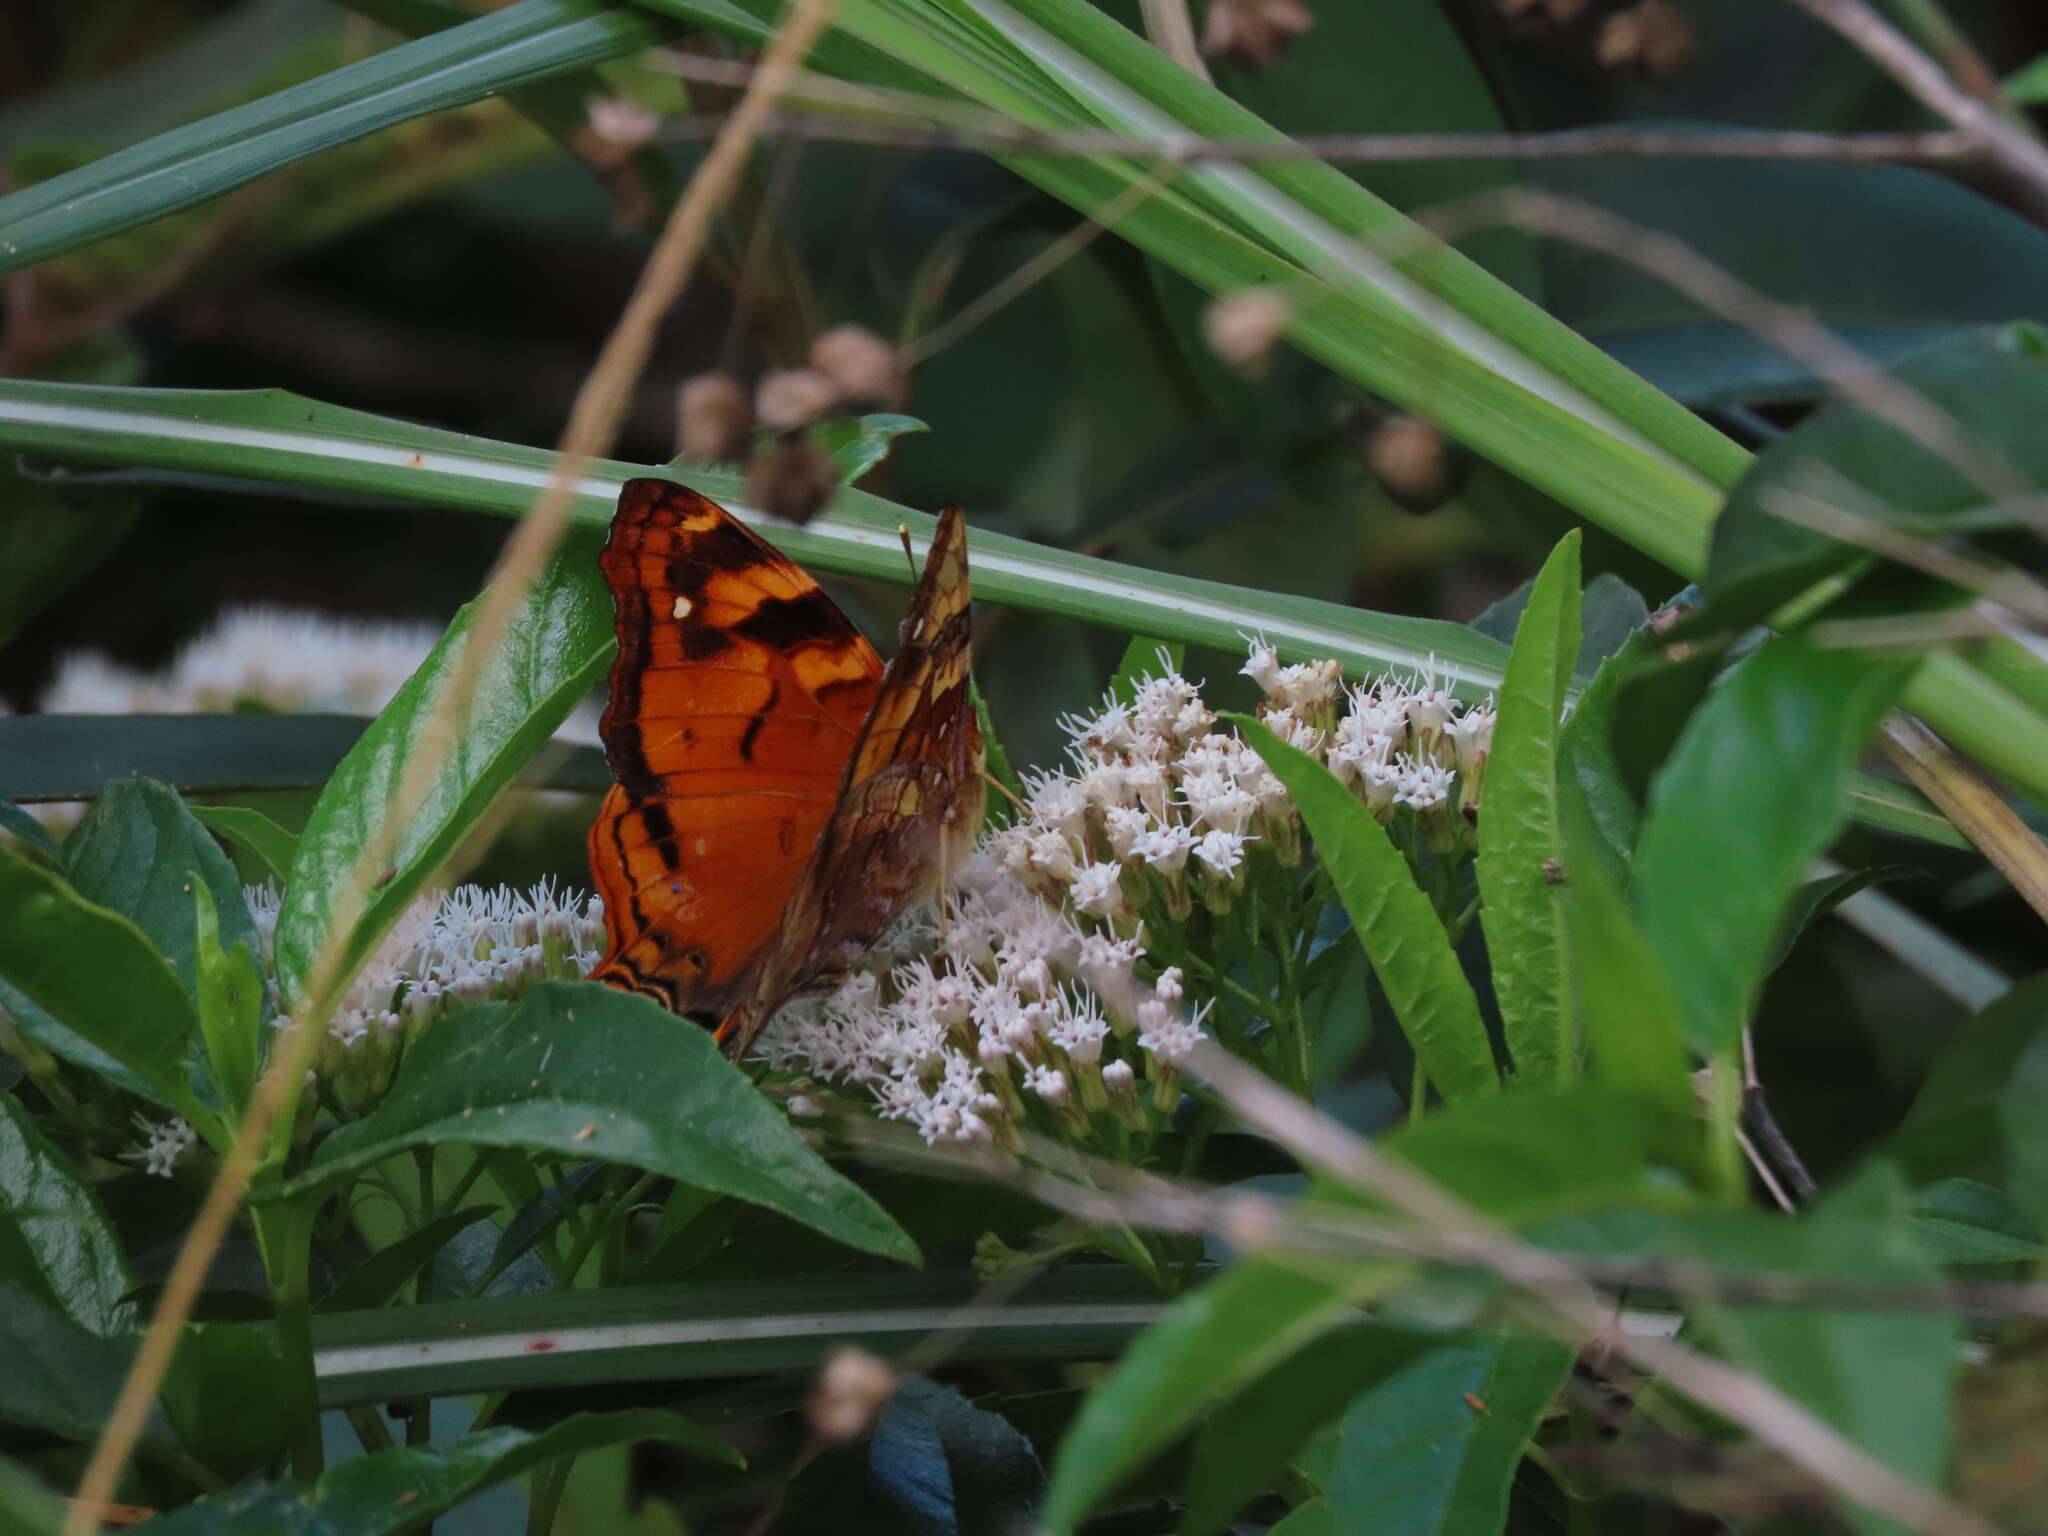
(1393, 920)
(2027, 86)
(26, 1508)
(1880, 1377)
(55, 1240)
(1434, 1448)
(1591, 784)
(1635, 1033)
(1248, 1440)
(218, 1370)
(1993, 384)
(549, 656)
(858, 443)
(1506, 1155)
(1816, 898)
(50, 540)
(136, 853)
(61, 1377)
(1953, 1129)
(71, 757)
(1753, 793)
(30, 833)
(950, 1467)
(378, 1278)
(87, 984)
(1211, 1345)
(1314, 1518)
(273, 844)
(230, 993)
(591, 1072)
(1960, 1221)
(389, 1492)
(1521, 843)
(1931, 257)
(520, 43)
(2023, 1127)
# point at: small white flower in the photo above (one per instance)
(1049, 1083)
(1423, 784)
(1170, 987)
(1263, 663)
(1080, 1032)
(163, 1144)
(1125, 824)
(1097, 890)
(1170, 1037)
(1053, 853)
(1221, 852)
(1166, 849)
(1118, 1077)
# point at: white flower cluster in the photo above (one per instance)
(1009, 1011)
(163, 1143)
(449, 950)
(1161, 803)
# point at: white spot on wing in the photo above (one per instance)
(682, 608)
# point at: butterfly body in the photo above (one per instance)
(781, 795)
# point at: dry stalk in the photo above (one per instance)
(1976, 808)
(593, 425)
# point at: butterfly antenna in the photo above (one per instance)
(1007, 792)
(903, 533)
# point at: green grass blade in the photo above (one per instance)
(529, 41)
(1521, 845)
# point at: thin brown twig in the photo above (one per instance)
(593, 424)
(1977, 809)
(1890, 49)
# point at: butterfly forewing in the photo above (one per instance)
(738, 695)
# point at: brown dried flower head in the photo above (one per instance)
(1253, 33)
(1242, 328)
(793, 397)
(1406, 455)
(793, 479)
(1652, 38)
(713, 418)
(850, 1391)
(856, 362)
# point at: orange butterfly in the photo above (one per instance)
(780, 797)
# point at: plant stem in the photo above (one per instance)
(284, 1235)
(419, 1426)
(548, 1485)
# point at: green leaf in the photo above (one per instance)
(1993, 383)
(136, 853)
(1960, 1221)
(50, 540)
(1753, 793)
(61, 1377)
(1816, 898)
(273, 844)
(1314, 1518)
(87, 984)
(30, 833)
(552, 652)
(1435, 1447)
(389, 1492)
(70, 757)
(2023, 1128)
(2027, 86)
(857, 444)
(1246, 1442)
(1521, 845)
(1392, 918)
(1953, 1129)
(375, 1281)
(1880, 1377)
(581, 1069)
(55, 1240)
(1211, 1345)
(218, 1370)
(524, 42)
(1635, 1033)
(26, 1509)
(230, 994)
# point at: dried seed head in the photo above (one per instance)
(1651, 37)
(793, 479)
(851, 1390)
(793, 397)
(1242, 328)
(622, 121)
(1406, 454)
(1253, 33)
(1542, 13)
(857, 363)
(713, 421)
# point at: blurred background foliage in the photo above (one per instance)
(462, 269)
